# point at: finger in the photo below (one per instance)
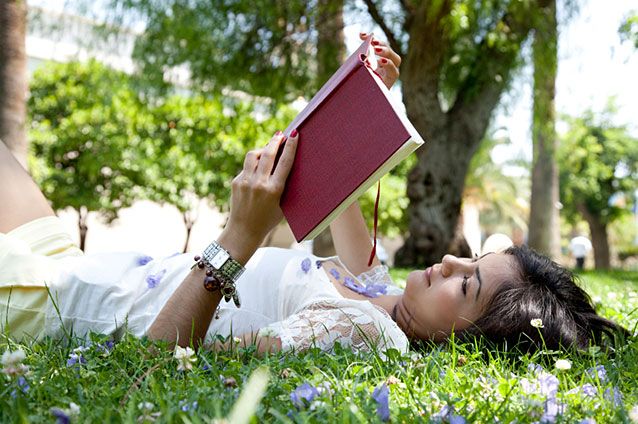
(388, 71)
(287, 158)
(383, 51)
(251, 160)
(363, 35)
(267, 158)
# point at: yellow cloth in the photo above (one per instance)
(28, 257)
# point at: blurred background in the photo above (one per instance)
(134, 116)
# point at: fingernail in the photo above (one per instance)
(363, 34)
(375, 43)
(384, 60)
(278, 133)
(294, 133)
(378, 49)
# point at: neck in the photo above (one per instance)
(388, 303)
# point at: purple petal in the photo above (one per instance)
(303, 395)
(374, 290)
(456, 419)
(335, 273)
(598, 371)
(548, 384)
(23, 384)
(381, 397)
(589, 390)
(154, 279)
(305, 265)
(143, 260)
(614, 395)
(318, 264)
(352, 285)
(62, 417)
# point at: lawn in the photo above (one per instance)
(135, 381)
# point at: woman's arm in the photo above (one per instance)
(352, 240)
(349, 231)
(254, 211)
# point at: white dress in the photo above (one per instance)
(284, 293)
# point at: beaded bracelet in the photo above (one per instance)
(217, 280)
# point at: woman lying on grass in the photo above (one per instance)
(290, 300)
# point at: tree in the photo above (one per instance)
(458, 60)
(13, 77)
(599, 172)
(83, 141)
(500, 198)
(629, 28)
(195, 145)
(544, 234)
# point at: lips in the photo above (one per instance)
(428, 274)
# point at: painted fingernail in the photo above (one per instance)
(384, 60)
(375, 43)
(278, 132)
(378, 49)
(294, 133)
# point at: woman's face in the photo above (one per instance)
(452, 294)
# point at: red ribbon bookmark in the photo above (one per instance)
(376, 218)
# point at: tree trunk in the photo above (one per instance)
(331, 45)
(452, 134)
(13, 77)
(188, 222)
(331, 52)
(544, 234)
(83, 214)
(599, 240)
(435, 199)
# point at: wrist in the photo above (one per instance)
(240, 245)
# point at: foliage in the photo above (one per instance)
(599, 167)
(80, 132)
(195, 145)
(98, 146)
(237, 44)
(393, 202)
(501, 198)
(629, 28)
(135, 378)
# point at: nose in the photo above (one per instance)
(450, 264)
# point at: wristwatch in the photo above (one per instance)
(224, 269)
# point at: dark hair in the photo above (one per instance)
(547, 291)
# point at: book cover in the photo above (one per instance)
(350, 134)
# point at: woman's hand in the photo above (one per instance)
(256, 191)
(388, 61)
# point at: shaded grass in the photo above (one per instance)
(480, 385)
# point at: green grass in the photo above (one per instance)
(480, 385)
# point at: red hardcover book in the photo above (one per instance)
(350, 134)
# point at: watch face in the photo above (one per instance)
(220, 259)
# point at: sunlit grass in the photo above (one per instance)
(137, 380)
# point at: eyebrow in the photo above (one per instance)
(480, 282)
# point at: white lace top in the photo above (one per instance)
(297, 302)
(281, 296)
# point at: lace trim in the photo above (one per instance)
(324, 323)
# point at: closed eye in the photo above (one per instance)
(464, 285)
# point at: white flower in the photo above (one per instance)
(12, 362)
(236, 340)
(145, 406)
(633, 414)
(563, 364)
(74, 409)
(185, 358)
(537, 323)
